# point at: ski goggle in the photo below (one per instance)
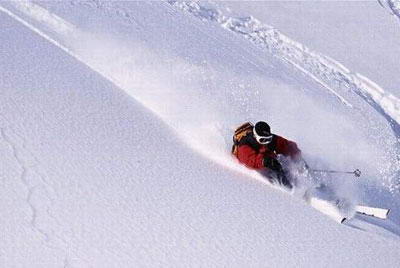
(263, 139)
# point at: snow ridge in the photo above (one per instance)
(324, 70)
(50, 19)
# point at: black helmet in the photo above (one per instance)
(262, 132)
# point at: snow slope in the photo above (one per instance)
(116, 125)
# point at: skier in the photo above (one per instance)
(257, 148)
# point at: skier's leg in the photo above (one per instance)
(269, 175)
(284, 180)
(278, 176)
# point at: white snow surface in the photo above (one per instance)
(116, 121)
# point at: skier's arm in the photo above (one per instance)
(288, 148)
(250, 157)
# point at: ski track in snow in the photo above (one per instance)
(325, 71)
(392, 5)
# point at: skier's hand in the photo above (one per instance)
(302, 166)
(300, 162)
(306, 167)
(272, 164)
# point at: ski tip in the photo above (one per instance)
(343, 220)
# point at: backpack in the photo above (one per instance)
(240, 133)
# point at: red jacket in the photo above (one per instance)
(251, 153)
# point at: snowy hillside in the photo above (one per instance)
(116, 124)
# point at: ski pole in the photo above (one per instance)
(356, 172)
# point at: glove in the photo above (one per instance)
(303, 168)
(306, 165)
(272, 164)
